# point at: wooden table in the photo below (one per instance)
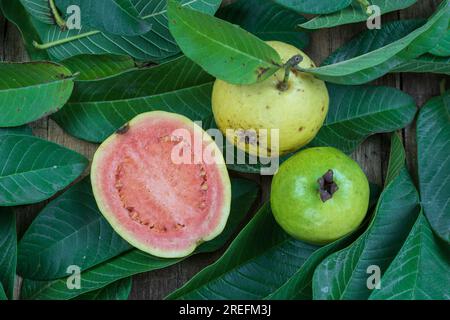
(372, 155)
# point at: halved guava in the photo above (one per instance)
(162, 184)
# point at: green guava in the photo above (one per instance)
(295, 109)
(319, 195)
(158, 201)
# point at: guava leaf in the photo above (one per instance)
(357, 112)
(224, 50)
(442, 49)
(14, 11)
(29, 91)
(433, 145)
(263, 262)
(315, 6)
(33, 170)
(25, 130)
(343, 275)
(421, 269)
(244, 193)
(70, 230)
(266, 20)
(95, 67)
(354, 13)
(369, 66)
(2, 293)
(397, 158)
(155, 45)
(117, 17)
(8, 252)
(260, 259)
(425, 64)
(119, 290)
(98, 108)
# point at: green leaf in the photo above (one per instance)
(119, 290)
(354, 13)
(371, 40)
(259, 260)
(155, 45)
(98, 108)
(369, 66)
(224, 50)
(33, 170)
(433, 145)
(315, 6)
(25, 130)
(397, 158)
(442, 49)
(29, 91)
(421, 269)
(92, 67)
(8, 252)
(117, 17)
(343, 275)
(267, 20)
(70, 230)
(357, 112)
(2, 293)
(14, 11)
(425, 64)
(244, 193)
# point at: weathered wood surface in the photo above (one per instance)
(372, 155)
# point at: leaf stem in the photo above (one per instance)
(365, 4)
(56, 15)
(44, 46)
(292, 62)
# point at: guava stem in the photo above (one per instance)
(365, 4)
(291, 63)
(327, 186)
(55, 12)
(44, 46)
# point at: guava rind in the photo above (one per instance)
(296, 202)
(133, 174)
(298, 113)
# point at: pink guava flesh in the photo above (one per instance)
(160, 204)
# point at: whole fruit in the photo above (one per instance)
(156, 190)
(297, 109)
(319, 195)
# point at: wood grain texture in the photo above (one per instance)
(372, 155)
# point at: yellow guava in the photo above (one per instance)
(251, 116)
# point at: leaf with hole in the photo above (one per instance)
(433, 145)
(244, 193)
(33, 170)
(98, 108)
(30, 91)
(8, 252)
(224, 50)
(355, 13)
(70, 230)
(421, 269)
(266, 20)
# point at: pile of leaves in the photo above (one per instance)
(133, 56)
